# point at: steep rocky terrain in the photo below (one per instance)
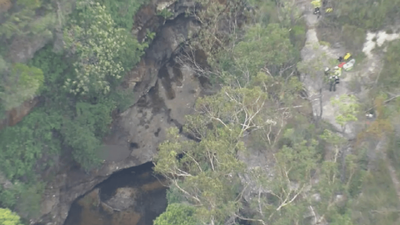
(164, 94)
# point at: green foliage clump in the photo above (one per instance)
(84, 131)
(259, 48)
(123, 11)
(368, 14)
(379, 203)
(55, 69)
(165, 13)
(22, 83)
(347, 109)
(23, 198)
(353, 37)
(177, 214)
(24, 144)
(96, 43)
(9, 218)
(390, 75)
(298, 35)
(23, 22)
(30, 199)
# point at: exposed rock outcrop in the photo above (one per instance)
(15, 115)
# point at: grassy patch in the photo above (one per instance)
(324, 43)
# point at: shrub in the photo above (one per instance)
(9, 218)
(99, 49)
(353, 38)
(84, 132)
(177, 214)
(22, 145)
(123, 11)
(21, 84)
(390, 75)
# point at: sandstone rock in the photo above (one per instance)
(15, 115)
(123, 199)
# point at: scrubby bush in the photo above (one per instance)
(390, 75)
(353, 38)
(9, 218)
(20, 84)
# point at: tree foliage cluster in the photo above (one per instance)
(350, 20)
(100, 48)
(390, 76)
(369, 14)
(79, 88)
(209, 174)
(236, 28)
(9, 218)
(20, 20)
(313, 178)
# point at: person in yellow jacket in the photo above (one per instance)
(337, 72)
(317, 6)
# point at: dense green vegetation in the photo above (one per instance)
(77, 87)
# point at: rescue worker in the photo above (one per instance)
(317, 7)
(333, 78)
(327, 71)
(337, 71)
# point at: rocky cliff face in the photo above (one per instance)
(165, 93)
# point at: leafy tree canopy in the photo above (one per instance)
(9, 218)
(176, 214)
(93, 39)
